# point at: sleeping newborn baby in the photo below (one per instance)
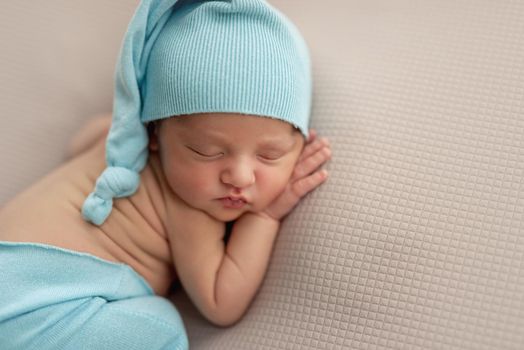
(209, 133)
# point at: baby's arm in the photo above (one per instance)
(250, 246)
(200, 259)
(222, 280)
(94, 130)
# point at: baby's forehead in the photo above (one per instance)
(231, 127)
(231, 122)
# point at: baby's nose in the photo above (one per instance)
(239, 175)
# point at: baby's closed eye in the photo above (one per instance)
(271, 154)
(204, 151)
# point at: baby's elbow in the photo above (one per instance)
(224, 317)
(230, 302)
(95, 130)
(224, 322)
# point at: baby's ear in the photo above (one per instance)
(152, 131)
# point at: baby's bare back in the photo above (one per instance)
(49, 212)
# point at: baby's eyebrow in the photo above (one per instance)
(270, 141)
(277, 143)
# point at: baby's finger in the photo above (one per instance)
(308, 184)
(308, 165)
(313, 147)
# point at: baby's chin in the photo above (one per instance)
(225, 216)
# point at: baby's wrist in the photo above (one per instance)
(264, 216)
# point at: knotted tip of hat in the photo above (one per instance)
(115, 182)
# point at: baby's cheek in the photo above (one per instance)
(272, 185)
(198, 184)
(190, 174)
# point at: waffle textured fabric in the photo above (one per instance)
(417, 239)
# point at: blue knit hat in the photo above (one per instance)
(198, 56)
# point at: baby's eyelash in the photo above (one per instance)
(204, 154)
(271, 157)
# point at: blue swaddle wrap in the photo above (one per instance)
(52, 298)
(198, 56)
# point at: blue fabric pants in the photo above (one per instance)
(52, 298)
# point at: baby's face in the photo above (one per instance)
(228, 164)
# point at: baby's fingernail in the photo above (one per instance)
(324, 141)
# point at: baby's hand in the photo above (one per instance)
(306, 176)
